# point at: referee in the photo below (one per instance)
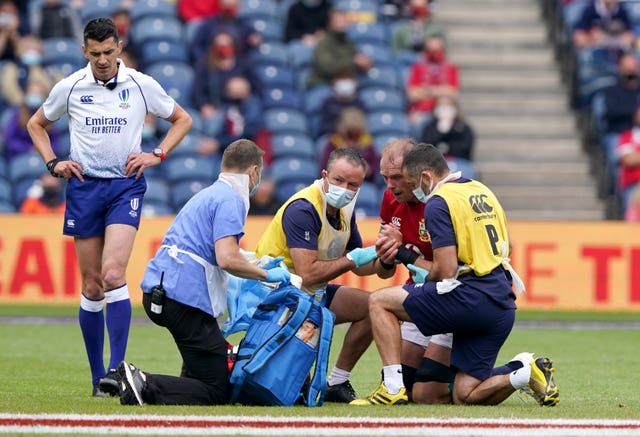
(106, 103)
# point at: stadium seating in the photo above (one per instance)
(381, 76)
(163, 51)
(368, 201)
(270, 29)
(265, 9)
(188, 167)
(162, 9)
(61, 50)
(388, 122)
(184, 190)
(363, 32)
(151, 209)
(156, 28)
(281, 97)
(299, 54)
(6, 193)
(293, 145)
(175, 77)
(377, 99)
(157, 191)
(296, 170)
(96, 9)
(26, 166)
(272, 76)
(282, 120)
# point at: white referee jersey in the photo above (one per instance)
(105, 125)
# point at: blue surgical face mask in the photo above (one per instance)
(420, 194)
(33, 100)
(339, 197)
(31, 58)
(255, 187)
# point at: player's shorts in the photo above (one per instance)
(94, 204)
(411, 333)
(480, 324)
(330, 292)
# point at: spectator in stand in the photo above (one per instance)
(307, 21)
(17, 139)
(122, 19)
(46, 196)
(411, 33)
(9, 30)
(430, 78)
(26, 68)
(242, 112)
(628, 153)
(351, 132)
(632, 213)
(264, 201)
(56, 19)
(622, 98)
(214, 71)
(449, 131)
(336, 53)
(604, 23)
(226, 20)
(345, 94)
(190, 10)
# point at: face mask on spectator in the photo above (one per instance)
(435, 56)
(445, 111)
(31, 58)
(229, 10)
(33, 100)
(224, 51)
(345, 87)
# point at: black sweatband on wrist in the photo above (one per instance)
(51, 165)
(385, 265)
(406, 256)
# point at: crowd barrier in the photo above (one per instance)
(564, 265)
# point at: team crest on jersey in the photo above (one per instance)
(124, 98)
(422, 231)
(395, 221)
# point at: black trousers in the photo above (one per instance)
(205, 377)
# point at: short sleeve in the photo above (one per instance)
(301, 225)
(159, 102)
(439, 224)
(55, 106)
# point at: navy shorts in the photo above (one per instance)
(330, 292)
(480, 326)
(94, 204)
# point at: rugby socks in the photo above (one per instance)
(338, 376)
(506, 368)
(519, 378)
(392, 377)
(91, 318)
(118, 322)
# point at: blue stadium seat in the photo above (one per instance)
(62, 50)
(376, 99)
(281, 97)
(388, 122)
(64, 68)
(175, 77)
(466, 167)
(369, 200)
(98, 8)
(383, 139)
(379, 53)
(299, 54)
(142, 9)
(7, 208)
(314, 98)
(163, 51)
(287, 189)
(6, 192)
(272, 76)
(21, 189)
(293, 145)
(152, 209)
(266, 9)
(282, 120)
(381, 76)
(184, 190)
(274, 53)
(359, 10)
(4, 168)
(270, 29)
(294, 170)
(153, 28)
(363, 32)
(157, 190)
(197, 122)
(180, 168)
(26, 166)
(189, 145)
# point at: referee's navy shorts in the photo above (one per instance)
(94, 204)
(480, 325)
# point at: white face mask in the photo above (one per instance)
(339, 197)
(345, 87)
(419, 192)
(445, 111)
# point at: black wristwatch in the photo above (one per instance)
(159, 153)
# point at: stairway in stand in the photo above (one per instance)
(528, 148)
